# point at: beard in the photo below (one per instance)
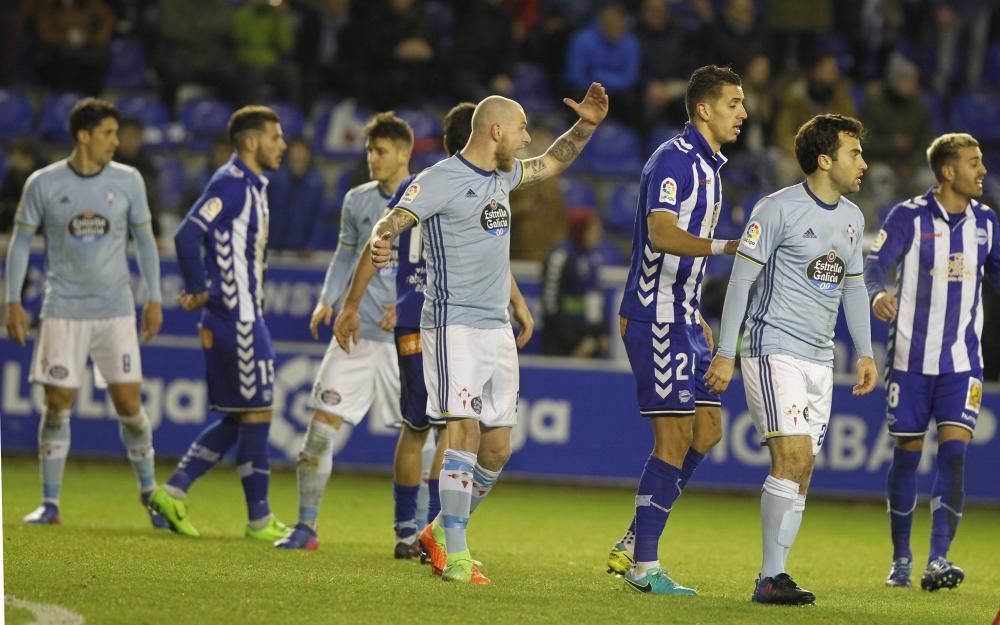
(268, 163)
(505, 161)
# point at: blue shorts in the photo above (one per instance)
(913, 398)
(239, 364)
(412, 389)
(669, 362)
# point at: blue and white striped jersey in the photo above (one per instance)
(233, 214)
(466, 217)
(940, 262)
(681, 177)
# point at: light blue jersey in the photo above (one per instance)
(802, 256)
(364, 205)
(86, 222)
(466, 217)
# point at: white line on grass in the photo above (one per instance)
(46, 613)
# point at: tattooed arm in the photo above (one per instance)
(387, 229)
(566, 148)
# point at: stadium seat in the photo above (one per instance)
(660, 135)
(204, 119)
(991, 68)
(16, 115)
(338, 131)
(936, 108)
(149, 110)
(293, 122)
(426, 129)
(531, 89)
(576, 193)
(129, 69)
(977, 114)
(615, 149)
(54, 123)
(171, 183)
(611, 254)
(621, 211)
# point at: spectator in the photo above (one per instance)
(482, 25)
(296, 198)
(560, 19)
(824, 90)
(793, 26)
(898, 121)
(573, 308)
(965, 24)
(194, 43)
(666, 63)
(71, 51)
(326, 48)
(399, 54)
(24, 158)
(608, 52)
(732, 39)
(262, 33)
(13, 16)
(219, 155)
(130, 152)
(538, 220)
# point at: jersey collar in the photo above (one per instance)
(938, 211)
(481, 172)
(257, 181)
(694, 137)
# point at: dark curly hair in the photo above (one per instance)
(386, 125)
(821, 135)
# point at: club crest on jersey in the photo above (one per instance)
(88, 226)
(210, 209)
(752, 235)
(668, 191)
(851, 233)
(880, 240)
(826, 272)
(411, 193)
(495, 218)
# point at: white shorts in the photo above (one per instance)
(788, 396)
(471, 373)
(348, 385)
(63, 346)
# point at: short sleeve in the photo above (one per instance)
(895, 236)
(764, 232)
(220, 202)
(400, 190)
(668, 184)
(31, 209)
(515, 175)
(348, 227)
(138, 210)
(426, 196)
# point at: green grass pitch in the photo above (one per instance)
(544, 547)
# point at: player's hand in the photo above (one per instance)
(884, 306)
(192, 301)
(732, 246)
(323, 313)
(347, 327)
(594, 106)
(719, 374)
(17, 323)
(382, 250)
(523, 317)
(152, 320)
(867, 376)
(707, 329)
(388, 320)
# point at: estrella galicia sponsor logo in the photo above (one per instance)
(58, 372)
(826, 272)
(329, 397)
(495, 218)
(88, 226)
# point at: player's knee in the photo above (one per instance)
(55, 417)
(706, 438)
(58, 399)
(494, 456)
(126, 407)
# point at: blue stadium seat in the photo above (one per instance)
(576, 193)
(611, 254)
(615, 149)
(936, 108)
(293, 122)
(621, 211)
(991, 67)
(16, 115)
(149, 110)
(660, 135)
(204, 119)
(129, 69)
(54, 123)
(977, 114)
(531, 89)
(171, 182)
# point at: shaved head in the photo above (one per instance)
(495, 110)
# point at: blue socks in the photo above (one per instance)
(691, 462)
(653, 501)
(254, 469)
(206, 450)
(947, 496)
(902, 486)
(433, 499)
(405, 498)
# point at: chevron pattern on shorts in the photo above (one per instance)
(245, 353)
(663, 370)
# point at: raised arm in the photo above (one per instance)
(592, 111)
